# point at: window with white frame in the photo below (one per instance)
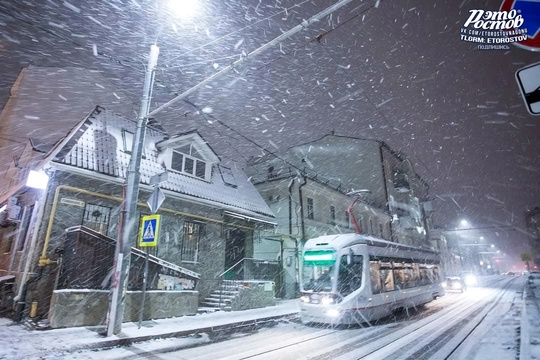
(187, 160)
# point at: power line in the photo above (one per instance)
(347, 74)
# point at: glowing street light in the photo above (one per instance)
(183, 8)
(464, 222)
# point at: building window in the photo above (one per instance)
(370, 230)
(187, 160)
(332, 215)
(127, 139)
(347, 219)
(97, 218)
(190, 242)
(310, 209)
(270, 172)
(381, 230)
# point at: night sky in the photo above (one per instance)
(390, 70)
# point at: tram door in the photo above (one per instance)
(235, 246)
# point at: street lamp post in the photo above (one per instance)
(123, 245)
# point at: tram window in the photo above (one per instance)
(388, 279)
(437, 273)
(415, 273)
(375, 276)
(350, 274)
(318, 278)
(400, 280)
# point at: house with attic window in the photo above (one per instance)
(61, 213)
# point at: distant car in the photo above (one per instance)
(454, 283)
(511, 273)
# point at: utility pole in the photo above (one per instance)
(130, 220)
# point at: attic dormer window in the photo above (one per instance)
(187, 160)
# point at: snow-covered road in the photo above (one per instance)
(482, 323)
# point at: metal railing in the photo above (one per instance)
(250, 269)
(87, 261)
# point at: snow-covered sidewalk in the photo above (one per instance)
(530, 320)
(17, 342)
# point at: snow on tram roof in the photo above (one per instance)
(342, 240)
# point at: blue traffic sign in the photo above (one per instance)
(149, 232)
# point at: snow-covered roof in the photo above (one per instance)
(99, 146)
(343, 240)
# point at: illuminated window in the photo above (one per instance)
(97, 218)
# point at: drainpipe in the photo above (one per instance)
(386, 193)
(296, 249)
(21, 303)
(25, 280)
(303, 226)
(17, 240)
(291, 183)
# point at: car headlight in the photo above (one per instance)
(304, 298)
(471, 280)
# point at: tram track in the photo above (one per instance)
(367, 341)
(427, 337)
(444, 341)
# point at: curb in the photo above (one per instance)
(524, 341)
(208, 329)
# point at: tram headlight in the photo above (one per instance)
(327, 300)
(333, 313)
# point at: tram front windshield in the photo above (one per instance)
(318, 270)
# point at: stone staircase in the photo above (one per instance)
(221, 298)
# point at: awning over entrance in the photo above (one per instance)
(248, 218)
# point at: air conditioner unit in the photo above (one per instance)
(13, 213)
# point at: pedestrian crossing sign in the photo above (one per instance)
(149, 232)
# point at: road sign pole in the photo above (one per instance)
(145, 278)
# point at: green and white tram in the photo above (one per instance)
(354, 278)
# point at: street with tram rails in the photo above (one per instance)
(484, 322)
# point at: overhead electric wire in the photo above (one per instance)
(347, 74)
(238, 30)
